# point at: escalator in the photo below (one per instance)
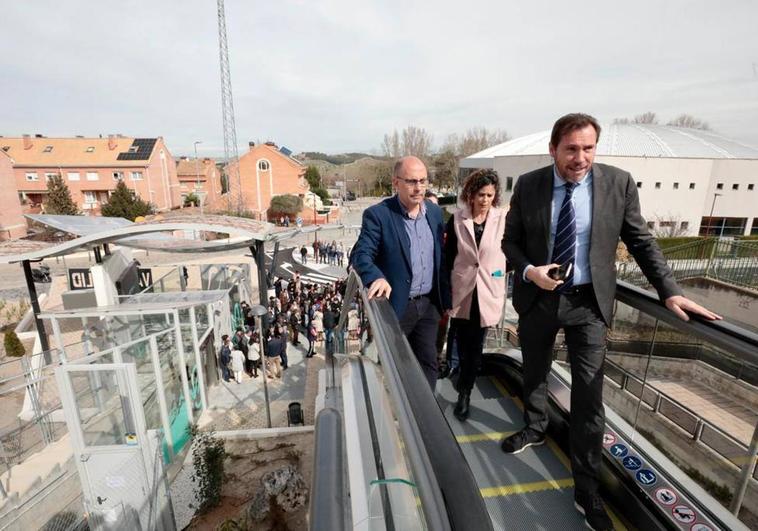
(409, 464)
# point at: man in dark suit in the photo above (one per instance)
(566, 219)
(399, 254)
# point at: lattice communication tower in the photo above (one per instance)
(234, 182)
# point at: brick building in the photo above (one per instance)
(201, 177)
(12, 222)
(92, 167)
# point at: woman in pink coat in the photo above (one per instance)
(476, 264)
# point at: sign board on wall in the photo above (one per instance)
(80, 278)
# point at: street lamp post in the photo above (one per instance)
(710, 216)
(197, 176)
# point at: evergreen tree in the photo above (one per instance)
(124, 203)
(313, 176)
(13, 345)
(59, 198)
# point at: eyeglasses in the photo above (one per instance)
(414, 182)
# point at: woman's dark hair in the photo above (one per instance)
(478, 180)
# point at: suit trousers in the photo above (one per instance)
(419, 324)
(585, 332)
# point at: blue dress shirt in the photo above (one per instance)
(582, 201)
(422, 250)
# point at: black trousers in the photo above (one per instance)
(470, 337)
(419, 324)
(585, 331)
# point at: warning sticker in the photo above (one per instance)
(700, 527)
(632, 462)
(608, 439)
(646, 477)
(619, 450)
(665, 496)
(684, 514)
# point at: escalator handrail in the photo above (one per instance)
(739, 342)
(449, 494)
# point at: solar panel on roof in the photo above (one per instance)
(286, 151)
(141, 149)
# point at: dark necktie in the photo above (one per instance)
(564, 248)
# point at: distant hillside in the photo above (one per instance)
(339, 159)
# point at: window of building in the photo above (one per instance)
(136, 176)
(639, 184)
(6, 148)
(263, 165)
(133, 149)
(118, 176)
(657, 186)
(47, 149)
(508, 184)
(32, 176)
(93, 176)
(676, 186)
(90, 149)
(750, 187)
(49, 176)
(754, 228)
(722, 226)
(89, 197)
(651, 225)
(735, 186)
(685, 225)
(692, 186)
(73, 176)
(667, 224)
(720, 186)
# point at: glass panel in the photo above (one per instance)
(139, 354)
(201, 318)
(103, 411)
(172, 385)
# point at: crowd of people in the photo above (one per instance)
(326, 253)
(298, 312)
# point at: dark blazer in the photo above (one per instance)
(615, 214)
(383, 251)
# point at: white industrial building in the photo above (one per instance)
(690, 181)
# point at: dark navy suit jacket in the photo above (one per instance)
(383, 251)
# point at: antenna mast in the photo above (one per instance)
(234, 182)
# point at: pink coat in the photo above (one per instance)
(482, 267)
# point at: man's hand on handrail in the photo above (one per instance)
(680, 305)
(379, 288)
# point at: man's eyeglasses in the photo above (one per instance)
(414, 182)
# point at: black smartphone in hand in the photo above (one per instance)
(561, 272)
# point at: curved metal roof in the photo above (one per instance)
(636, 140)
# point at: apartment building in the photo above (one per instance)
(12, 222)
(92, 167)
(201, 177)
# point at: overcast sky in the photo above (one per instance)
(335, 75)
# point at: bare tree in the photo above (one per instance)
(646, 118)
(687, 120)
(412, 140)
(474, 140)
(621, 121)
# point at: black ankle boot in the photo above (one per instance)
(461, 407)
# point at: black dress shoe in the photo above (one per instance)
(590, 504)
(461, 410)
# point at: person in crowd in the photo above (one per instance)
(561, 235)
(284, 333)
(304, 254)
(239, 341)
(475, 261)
(238, 364)
(225, 356)
(273, 355)
(312, 338)
(253, 353)
(295, 326)
(341, 254)
(316, 248)
(330, 321)
(399, 255)
(431, 196)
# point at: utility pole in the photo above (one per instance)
(227, 108)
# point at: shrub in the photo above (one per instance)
(13, 345)
(208, 456)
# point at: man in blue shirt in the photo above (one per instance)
(571, 216)
(398, 255)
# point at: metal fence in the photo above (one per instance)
(699, 429)
(728, 260)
